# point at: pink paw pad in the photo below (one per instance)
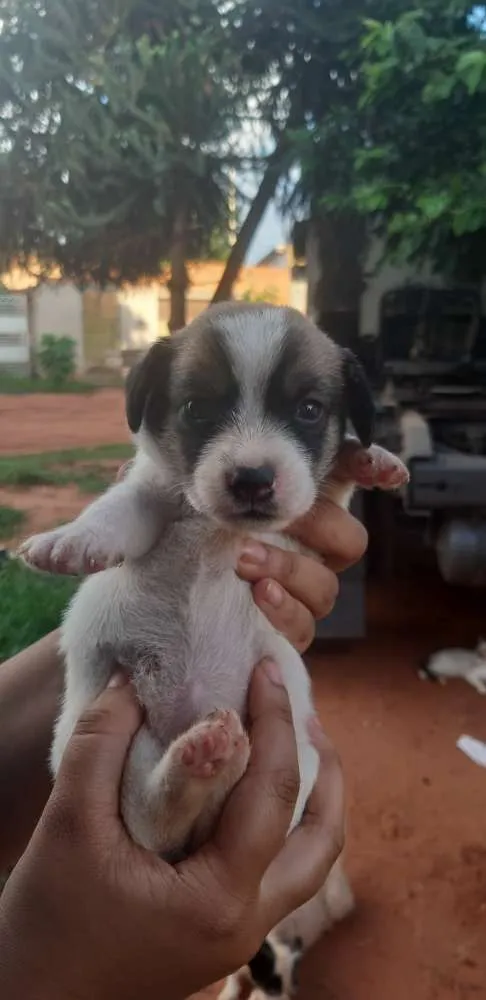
(212, 744)
(377, 467)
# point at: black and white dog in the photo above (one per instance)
(237, 420)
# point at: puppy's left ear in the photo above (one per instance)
(359, 405)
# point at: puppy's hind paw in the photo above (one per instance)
(215, 747)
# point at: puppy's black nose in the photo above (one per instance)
(252, 484)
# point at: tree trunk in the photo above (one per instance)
(33, 367)
(336, 247)
(260, 202)
(179, 279)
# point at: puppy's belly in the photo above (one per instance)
(189, 641)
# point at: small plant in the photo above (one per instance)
(268, 295)
(57, 358)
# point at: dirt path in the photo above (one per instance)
(44, 422)
(416, 845)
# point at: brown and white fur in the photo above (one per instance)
(273, 970)
(237, 421)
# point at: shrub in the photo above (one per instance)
(57, 357)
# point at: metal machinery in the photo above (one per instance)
(427, 364)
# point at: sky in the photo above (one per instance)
(271, 232)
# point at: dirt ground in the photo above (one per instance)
(416, 848)
(416, 845)
(44, 422)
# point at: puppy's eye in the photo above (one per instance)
(198, 411)
(309, 411)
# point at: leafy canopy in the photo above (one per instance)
(116, 118)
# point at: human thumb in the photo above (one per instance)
(94, 759)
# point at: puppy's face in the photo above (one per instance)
(246, 409)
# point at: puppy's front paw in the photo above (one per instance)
(215, 748)
(67, 550)
(376, 467)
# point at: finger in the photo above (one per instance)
(124, 470)
(92, 766)
(258, 814)
(304, 578)
(303, 864)
(334, 533)
(288, 616)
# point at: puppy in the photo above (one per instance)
(237, 421)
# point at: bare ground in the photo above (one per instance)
(44, 422)
(416, 849)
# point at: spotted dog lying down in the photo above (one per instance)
(237, 422)
(273, 972)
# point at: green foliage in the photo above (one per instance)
(420, 164)
(57, 358)
(118, 125)
(116, 121)
(11, 519)
(32, 606)
(387, 117)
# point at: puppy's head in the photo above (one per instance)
(246, 409)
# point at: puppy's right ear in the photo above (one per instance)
(147, 387)
(359, 405)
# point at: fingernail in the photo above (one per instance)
(272, 671)
(274, 594)
(117, 680)
(253, 553)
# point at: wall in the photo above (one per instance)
(58, 309)
(14, 345)
(139, 315)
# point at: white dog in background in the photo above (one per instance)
(468, 664)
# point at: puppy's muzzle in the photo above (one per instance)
(252, 486)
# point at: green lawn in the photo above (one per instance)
(31, 605)
(83, 466)
(17, 385)
(11, 519)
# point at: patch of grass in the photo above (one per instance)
(10, 519)
(18, 385)
(59, 468)
(31, 605)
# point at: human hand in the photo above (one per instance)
(295, 590)
(89, 915)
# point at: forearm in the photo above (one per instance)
(30, 687)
